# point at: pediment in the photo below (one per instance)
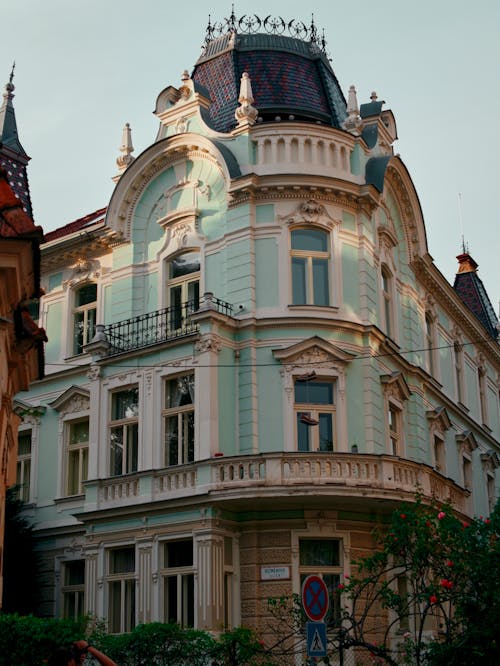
(466, 441)
(439, 419)
(491, 460)
(309, 212)
(312, 352)
(395, 385)
(28, 412)
(74, 399)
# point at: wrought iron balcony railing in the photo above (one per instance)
(153, 328)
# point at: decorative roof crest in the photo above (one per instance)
(251, 24)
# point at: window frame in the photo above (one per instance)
(75, 590)
(125, 424)
(309, 256)
(387, 293)
(185, 450)
(87, 308)
(68, 449)
(185, 581)
(315, 412)
(127, 604)
(179, 313)
(25, 491)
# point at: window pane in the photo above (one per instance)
(310, 239)
(193, 296)
(172, 440)
(73, 473)
(179, 553)
(125, 404)
(325, 432)
(79, 432)
(24, 443)
(179, 391)
(132, 447)
(188, 437)
(302, 434)
(122, 560)
(183, 264)
(171, 599)
(320, 282)
(116, 445)
(115, 606)
(319, 552)
(74, 573)
(314, 392)
(298, 281)
(86, 294)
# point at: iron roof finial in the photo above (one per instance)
(232, 20)
(313, 31)
(12, 71)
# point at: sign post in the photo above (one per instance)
(315, 604)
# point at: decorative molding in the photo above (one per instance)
(395, 386)
(313, 352)
(208, 343)
(309, 212)
(466, 442)
(439, 421)
(83, 270)
(72, 401)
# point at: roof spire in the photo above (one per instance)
(246, 113)
(353, 121)
(126, 148)
(12, 74)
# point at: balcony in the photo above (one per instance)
(156, 327)
(347, 476)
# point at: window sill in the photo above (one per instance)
(312, 306)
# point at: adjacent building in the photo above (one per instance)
(252, 356)
(21, 341)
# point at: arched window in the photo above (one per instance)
(310, 257)
(84, 316)
(183, 287)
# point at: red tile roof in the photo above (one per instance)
(76, 225)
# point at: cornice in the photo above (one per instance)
(254, 188)
(79, 246)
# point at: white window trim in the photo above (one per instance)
(112, 577)
(162, 573)
(172, 248)
(31, 490)
(64, 424)
(337, 376)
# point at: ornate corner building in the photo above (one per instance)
(252, 356)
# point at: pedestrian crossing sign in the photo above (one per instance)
(316, 639)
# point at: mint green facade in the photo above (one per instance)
(214, 307)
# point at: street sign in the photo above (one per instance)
(316, 639)
(315, 598)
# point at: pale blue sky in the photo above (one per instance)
(84, 68)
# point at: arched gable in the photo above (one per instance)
(155, 160)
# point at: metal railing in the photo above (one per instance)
(153, 328)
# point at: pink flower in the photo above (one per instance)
(433, 599)
(402, 515)
(487, 521)
(449, 563)
(465, 524)
(341, 587)
(447, 584)
(441, 515)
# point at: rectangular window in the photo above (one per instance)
(467, 472)
(73, 577)
(121, 590)
(84, 316)
(178, 415)
(322, 557)
(77, 456)
(228, 582)
(458, 366)
(178, 582)
(439, 454)
(23, 474)
(394, 424)
(315, 414)
(310, 261)
(124, 431)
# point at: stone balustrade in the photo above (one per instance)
(343, 474)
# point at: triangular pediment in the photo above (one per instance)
(26, 409)
(439, 418)
(396, 384)
(312, 352)
(491, 459)
(466, 440)
(73, 399)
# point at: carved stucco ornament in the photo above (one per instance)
(309, 212)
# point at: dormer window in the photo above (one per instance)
(84, 316)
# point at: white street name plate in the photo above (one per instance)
(274, 573)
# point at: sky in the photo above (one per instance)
(85, 68)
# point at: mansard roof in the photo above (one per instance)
(77, 225)
(470, 288)
(291, 77)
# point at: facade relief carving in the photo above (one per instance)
(309, 212)
(208, 343)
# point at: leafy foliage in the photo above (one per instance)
(20, 563)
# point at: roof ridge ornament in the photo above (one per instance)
(353, 122)
(251, 24)
(126, 158)
(246, 113)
